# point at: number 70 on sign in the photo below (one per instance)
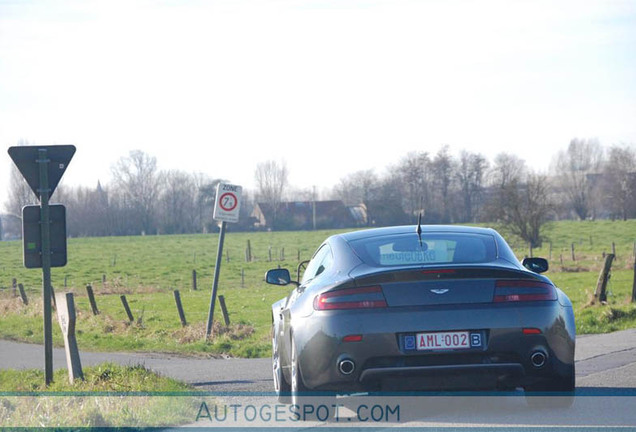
(228, 202)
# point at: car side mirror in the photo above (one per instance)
(536, 265)
(278, 277)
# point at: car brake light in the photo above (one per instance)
(523, 291)
(351, 298)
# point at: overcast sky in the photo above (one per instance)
(331, 87)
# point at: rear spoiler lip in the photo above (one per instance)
(362, 273)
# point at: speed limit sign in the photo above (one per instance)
(227, 203)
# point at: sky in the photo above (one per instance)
(328, 87)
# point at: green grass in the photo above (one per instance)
(27, 402)
(147, 269)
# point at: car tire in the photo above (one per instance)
(281, 386)
(556, 393)
(298, 388)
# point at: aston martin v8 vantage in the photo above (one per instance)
(424, 308)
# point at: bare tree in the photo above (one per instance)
(442, 167)
(620, 181)
(136, 180)
(414, 175)
(271, 182)
(574, 169)
(470, 173)
(177, 209)
(520, 199)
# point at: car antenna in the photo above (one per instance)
(418, 230)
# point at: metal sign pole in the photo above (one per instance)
(44, 190)
(215, 283)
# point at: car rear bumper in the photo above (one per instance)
(380, 362)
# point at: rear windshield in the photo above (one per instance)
(435, 248)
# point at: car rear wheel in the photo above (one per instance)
(281, 386)
(297, 386)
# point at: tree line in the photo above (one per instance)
(585, 181)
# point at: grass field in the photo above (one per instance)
(147, 269)
(127, 396)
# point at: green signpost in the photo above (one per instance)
(42, 168)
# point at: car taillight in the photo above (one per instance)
(523, 291)
(351, 298)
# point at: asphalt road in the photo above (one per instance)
(605, 366)
(607, 361)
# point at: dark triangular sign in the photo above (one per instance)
(26, 159)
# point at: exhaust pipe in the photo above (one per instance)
(538, 359)
(346, 366)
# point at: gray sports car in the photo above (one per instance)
(420, 308)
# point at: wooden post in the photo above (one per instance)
(67, 318)
(131, 318)
(248, 252)
(601, 286)
(177, 300)
(573, 256)
(91, 299)
(115, 260)
(561, 258)
(14, 284)
(614, 248)
(530, 249)
(23, 295)
(103, 281)
(194, 280)
(226, 316)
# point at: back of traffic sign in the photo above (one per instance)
(26, 159)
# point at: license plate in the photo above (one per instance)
(442, 340)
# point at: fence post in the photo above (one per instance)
(226, 316)
(23, 294)
(614, 248)
(14, 284)
(601, 286)
(573, 256)
(131, 318)
(91, 299)
(194, 280)
(248, 252)
(177, 300)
